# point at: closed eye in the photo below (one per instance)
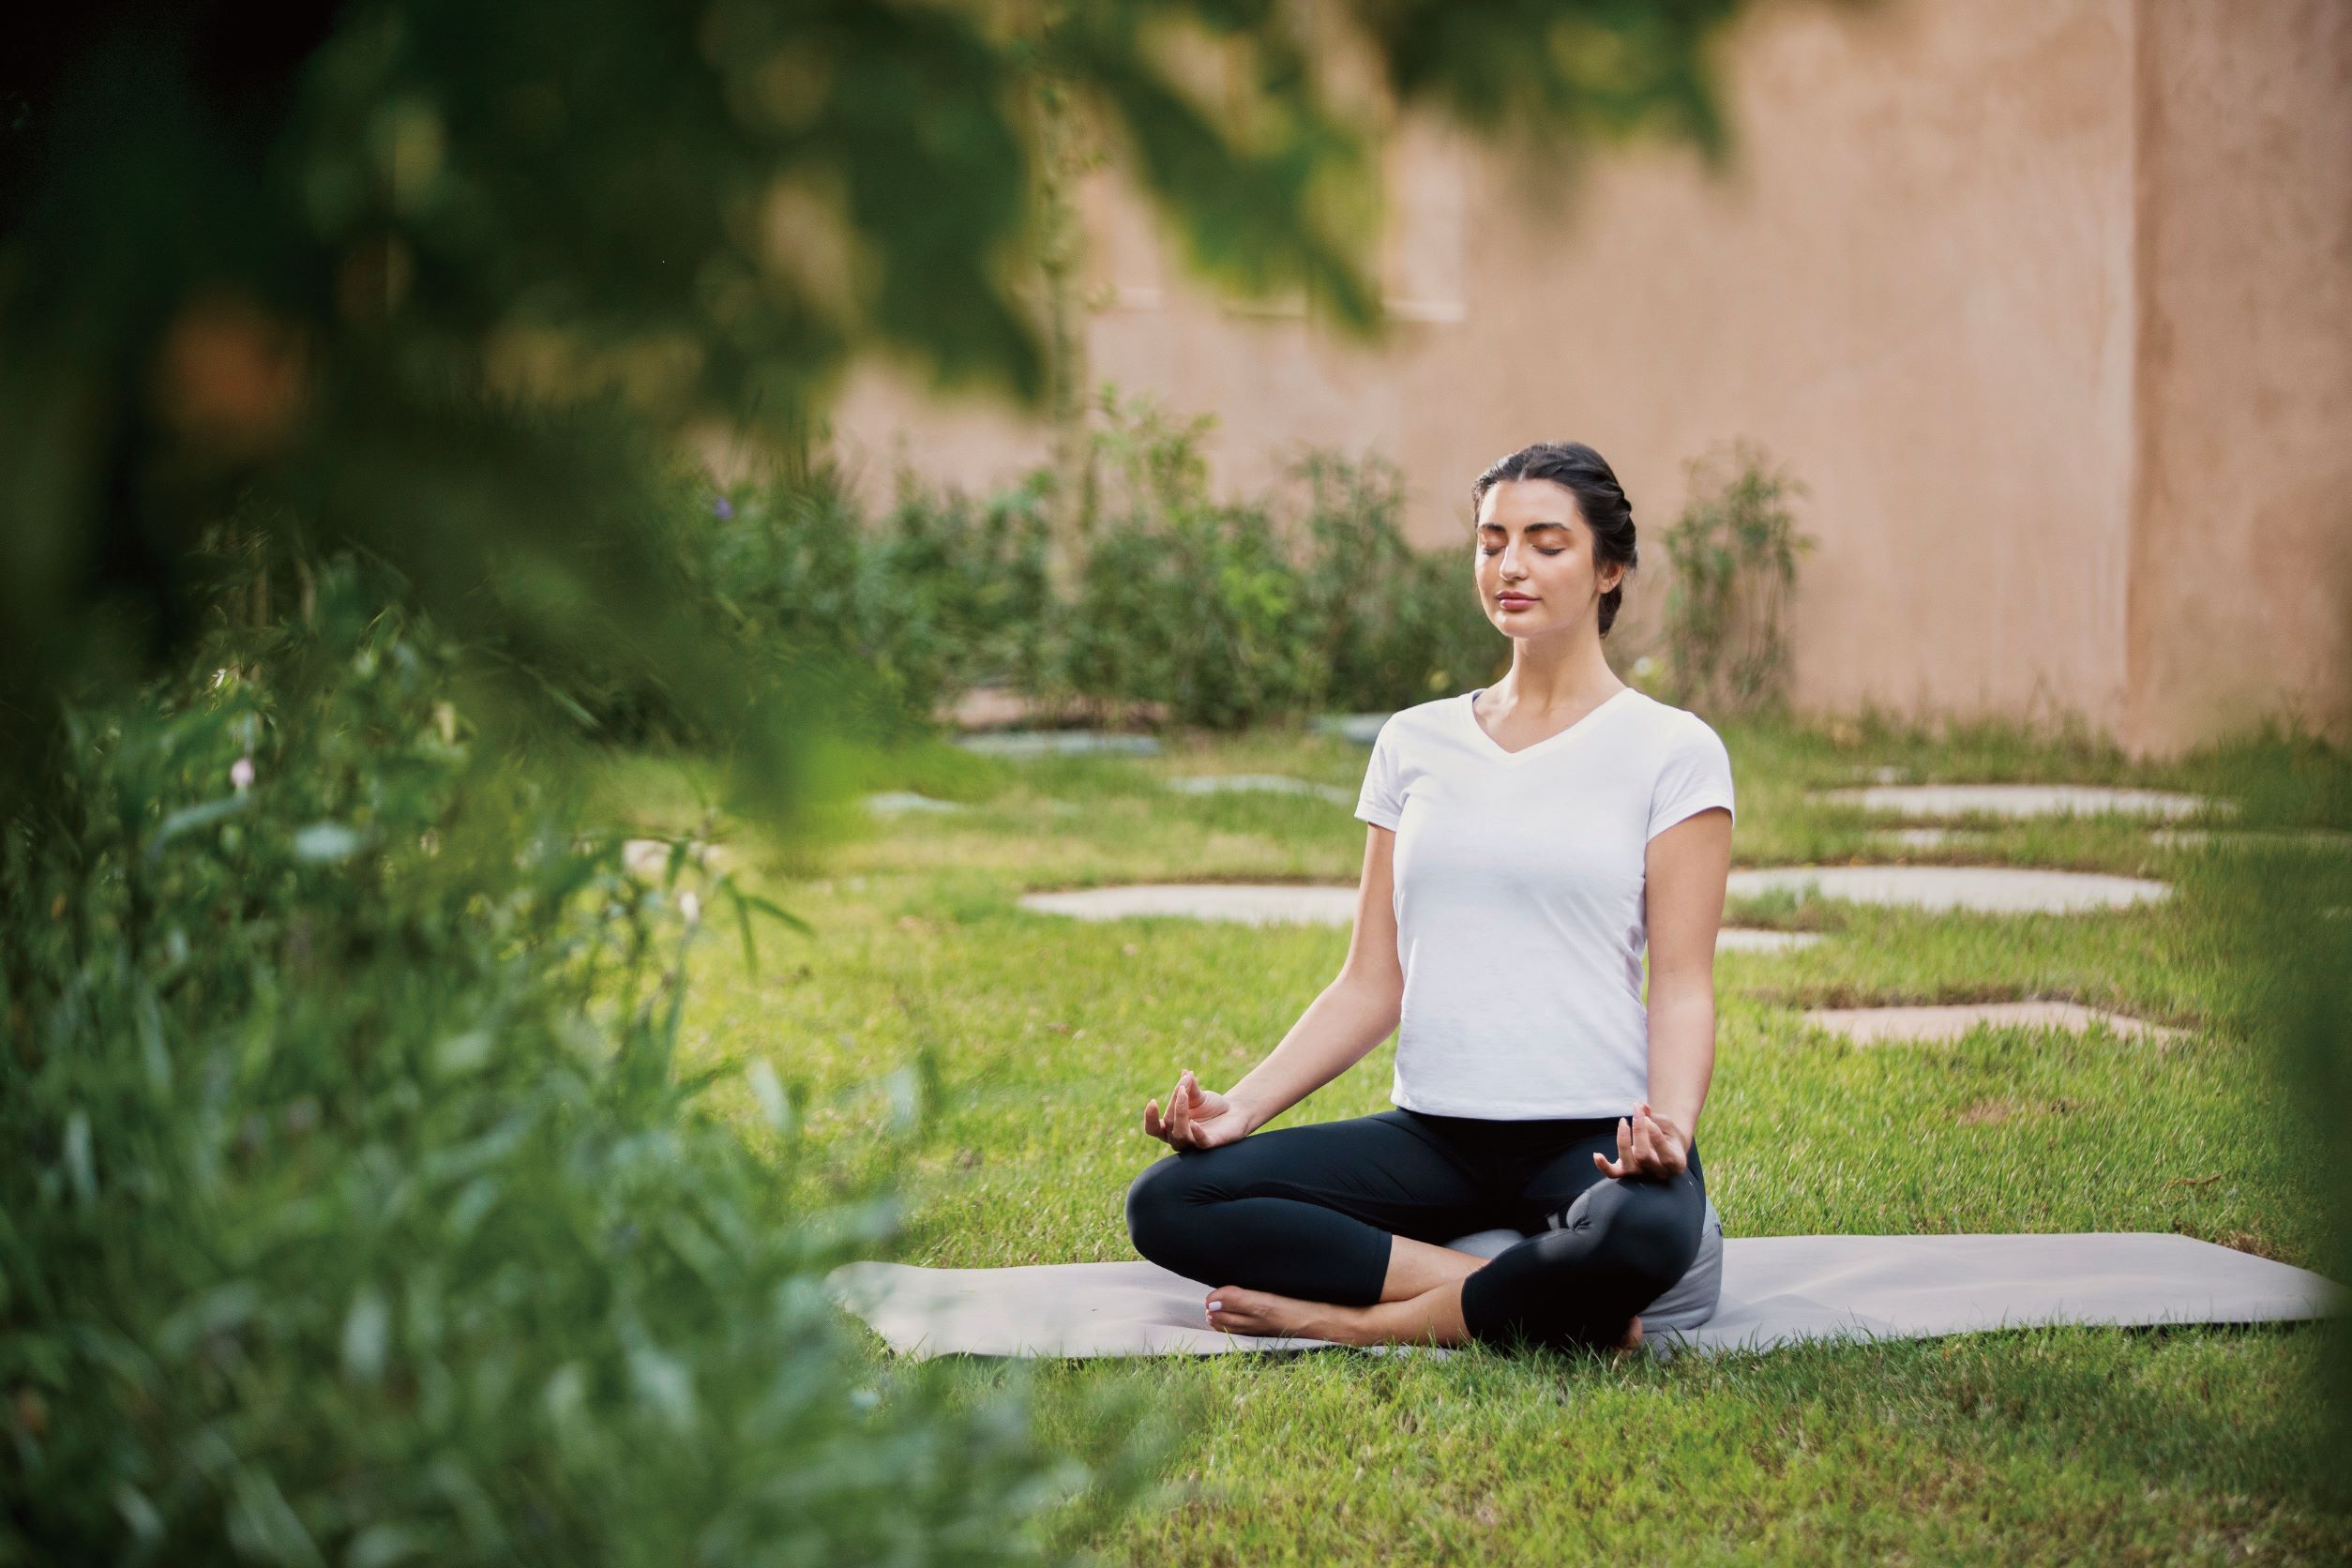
(1497, 549)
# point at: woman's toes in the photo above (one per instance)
(1631, 1341)
(1239, 1311)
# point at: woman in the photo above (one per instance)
(1524, 841)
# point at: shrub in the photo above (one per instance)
(953, 593)
(356, 1207)
(1393, 625)
(1220, 614)
(1734, 552)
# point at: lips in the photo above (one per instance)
(1514, 601)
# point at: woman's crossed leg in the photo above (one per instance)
(1329, 1231)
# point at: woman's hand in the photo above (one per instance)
(1197, 1118)
(1647, 1145)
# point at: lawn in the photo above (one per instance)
(1048, 1035)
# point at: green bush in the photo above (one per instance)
(356, 1207)
(1219, 613)
(1734, 552)
(1394, 625)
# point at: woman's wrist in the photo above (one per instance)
(1253, 1115)
(1675, 1117)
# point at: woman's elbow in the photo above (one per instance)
(1374, 988)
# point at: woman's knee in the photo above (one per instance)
(1162, 1204)
(1645, 1232)
(1653, 1231)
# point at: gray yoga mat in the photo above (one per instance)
(1776, 1290)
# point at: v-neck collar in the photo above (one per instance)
(1493, 748)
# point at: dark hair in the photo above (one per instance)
(1600, 500)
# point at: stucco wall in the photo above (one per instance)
(2240, 599)
(1918, 286)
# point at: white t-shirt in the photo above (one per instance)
(1520, 919)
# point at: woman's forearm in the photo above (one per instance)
(1682, 1054)
(1340, 1028)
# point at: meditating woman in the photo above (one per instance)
(1525, 840)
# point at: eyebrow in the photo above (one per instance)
(1529, 529)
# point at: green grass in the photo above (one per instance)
(2201, 1444)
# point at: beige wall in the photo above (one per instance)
(1928, 285)
(2242, 560)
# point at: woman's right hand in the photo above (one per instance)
(1197, 1118)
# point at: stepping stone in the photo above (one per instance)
(1870, 1026)
(2312, 839)
(1284, 904)
(1250, 904)
(1222, 783)
(2019, 800)
(1744, 939)
(1934, 837)
(1363, 728)
(898, 802)
(988, 708)
(1059, 743)
(2000, 889)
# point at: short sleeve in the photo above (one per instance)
(1382, 803)
(1698, 775)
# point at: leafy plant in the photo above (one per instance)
(358, 1207)
(1734, 552)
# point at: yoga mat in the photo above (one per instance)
(1776, 1290)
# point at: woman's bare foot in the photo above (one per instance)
(1261, 1312)
(1631, 1341)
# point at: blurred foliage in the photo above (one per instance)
(318, 253)
(357, 1207)
(2274, 916)
(1734, 552)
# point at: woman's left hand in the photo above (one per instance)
(1647, 1145)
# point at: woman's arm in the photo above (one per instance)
(1353, 1014)
(1688, 866)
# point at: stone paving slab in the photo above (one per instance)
(1255, 905)
(1934, 837)
(2020, 799)
(1363, 728)
(1870, 1026)
(2167, 837)
(1748, 939)
(1999, 889)
(2313, 839)
(899, 803)
(1059, 743)
(984, 708)
(1272, 904)
(1273, 783)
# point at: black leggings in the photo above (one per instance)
(1309, 1211)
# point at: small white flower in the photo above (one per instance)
(691, 907)
(241, 774)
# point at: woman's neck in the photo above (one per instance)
(1557, 679)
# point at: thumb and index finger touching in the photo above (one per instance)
(1643, 1144)
(1175, 1124)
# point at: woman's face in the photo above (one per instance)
(1535, 570)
